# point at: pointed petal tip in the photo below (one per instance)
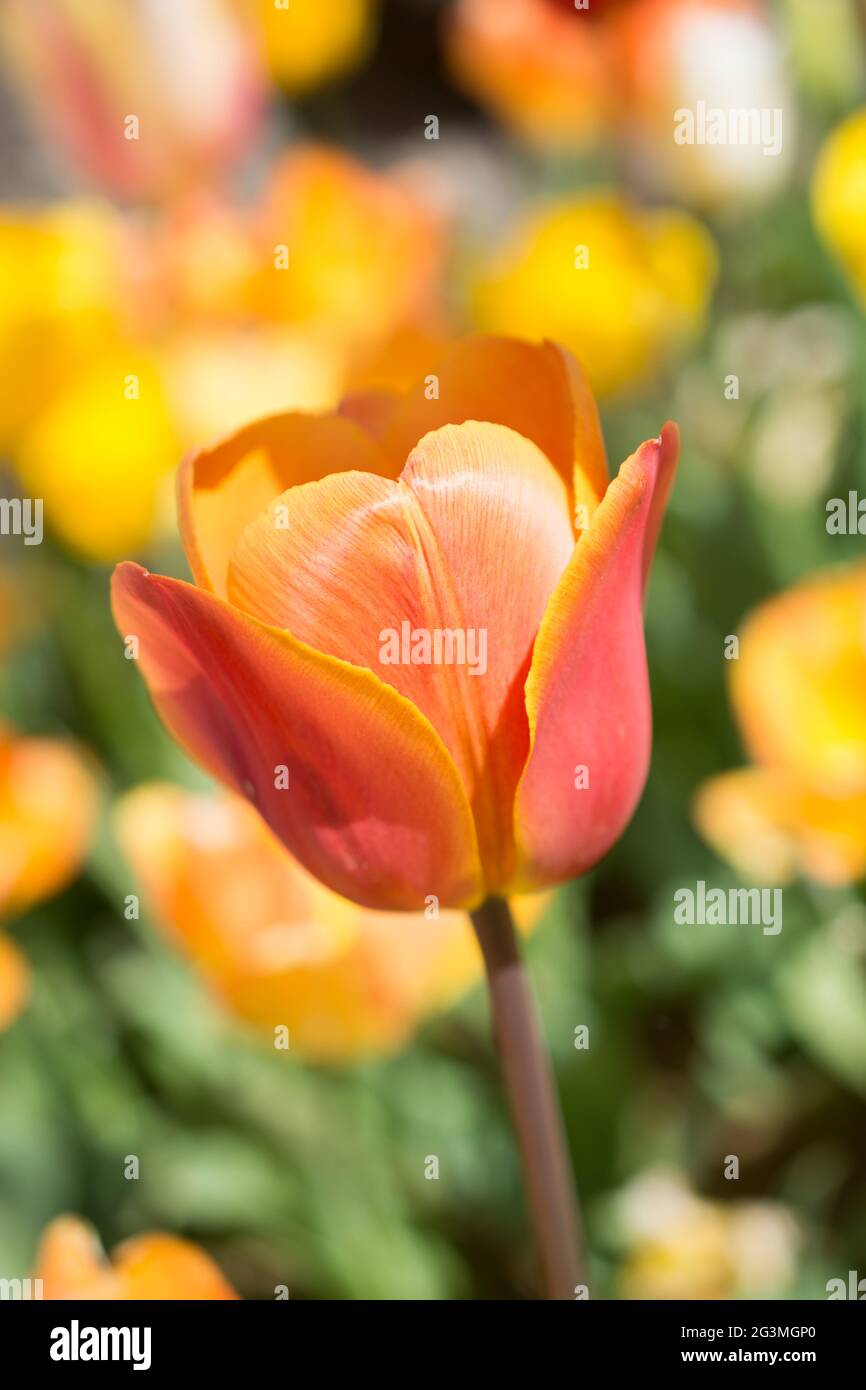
(669, 438)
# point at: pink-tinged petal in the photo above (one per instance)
(471, 541)
(374, 807)
(190, 73)
(669, 454)
(372, 409)
(223, 488)
(587, 696)
(539, 390)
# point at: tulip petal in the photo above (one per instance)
(48, 806)
(538, 390)
(223, 488)
(72, 1265)
(372, 409)
(367, 250)
(374, 807)
(666, 467)
(14, 982)
(800, 704)
(770, 827)
(471, 540)
(158, 1266)
(587, 696)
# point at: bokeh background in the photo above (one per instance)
(221, 208)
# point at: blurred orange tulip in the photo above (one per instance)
(330, 281)
(544, 68)
(14, 982)
(348, 252)
(141, 97)
(323, 666)
(798, 693)
(562, 77)
(72, 1266)
(677, 58)
(279, 949)
(48, 803)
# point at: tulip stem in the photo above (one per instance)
(532, 1097)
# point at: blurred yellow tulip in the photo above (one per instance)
(798, 693)
(124, 342)
(682, 1246)
(278, 948)
(98, 454)
(308, 42)
(72, 1265)
(83, 418)
(61, 298)
(141, 97)
(839, 197)
(621, 288)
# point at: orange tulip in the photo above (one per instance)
(72, 1265)
(14, 982)
(47, 813)
(362, 252)
(562, 78)
(544, 68)
(48, 803)
(800, 704)
(676, 56)
(277, 947)
(346, 572)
